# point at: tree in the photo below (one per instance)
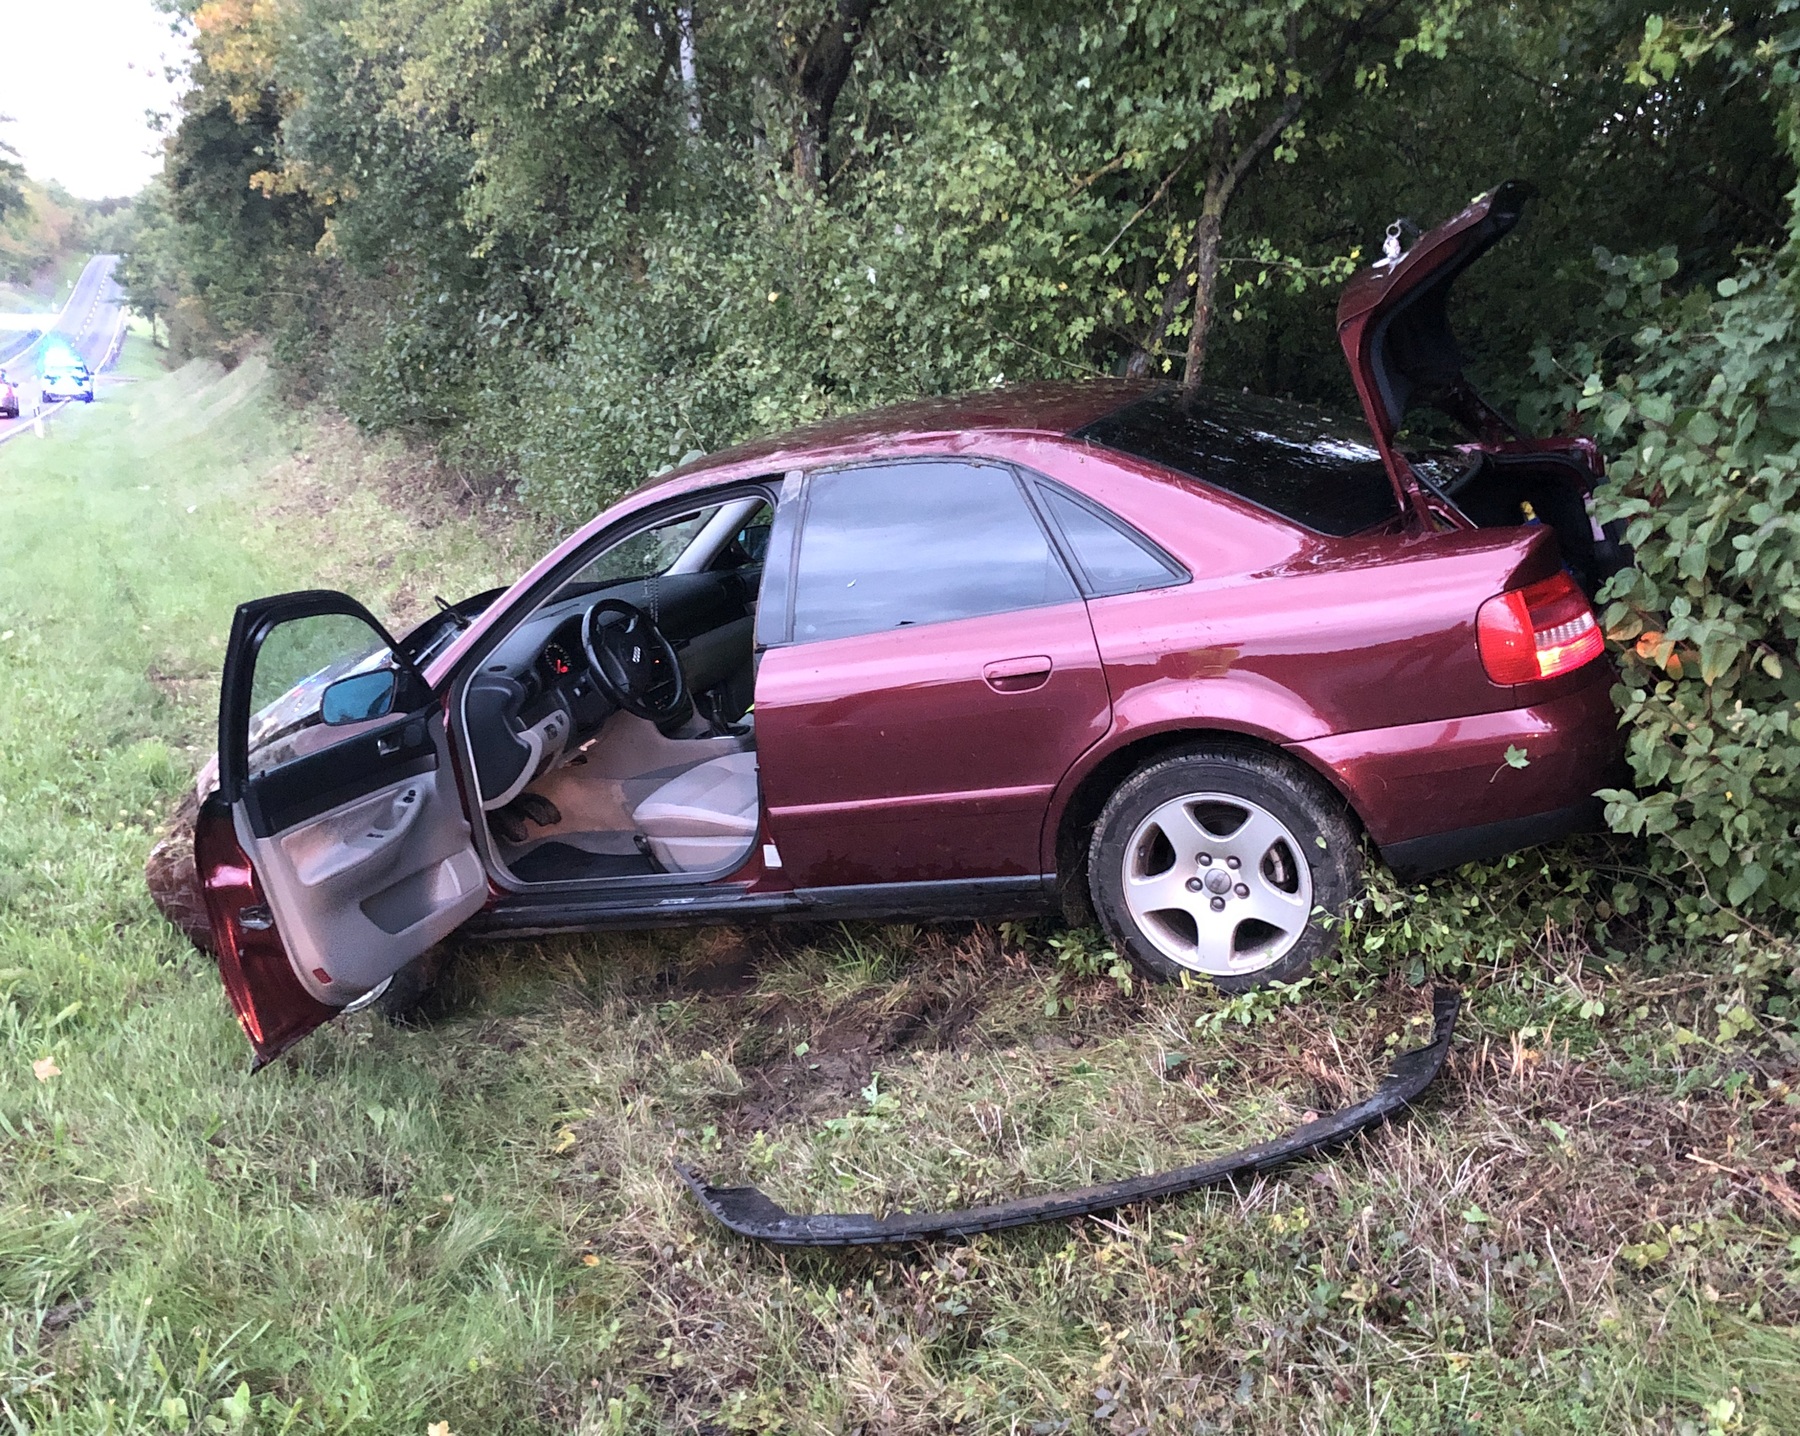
(12, 175)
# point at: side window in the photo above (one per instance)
(297, 661)
(1112, 556)
(897, 545)
(748, 543)
(753, 538)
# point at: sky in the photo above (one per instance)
(76, 79)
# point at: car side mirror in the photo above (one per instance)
(755, 542)
(359, 698)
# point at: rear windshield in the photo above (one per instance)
(1293, 460)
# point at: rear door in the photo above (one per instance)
(928, 676)
(336, 848)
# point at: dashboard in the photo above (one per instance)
(534, 700)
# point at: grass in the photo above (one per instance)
(1590, 1226)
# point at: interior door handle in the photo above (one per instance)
(371, 843)
(1018, 675)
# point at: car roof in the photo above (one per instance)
(1050, 409)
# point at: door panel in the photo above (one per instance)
(358, 763)
(925, 753)
(336, 849)
(274, 1010)
(362, 888)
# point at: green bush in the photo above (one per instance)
(1704, 421)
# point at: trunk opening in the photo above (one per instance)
(1492, 489)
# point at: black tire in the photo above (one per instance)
(403, 1003)
(1319, 833)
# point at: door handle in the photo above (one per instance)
(366, 848)
(1018, 675)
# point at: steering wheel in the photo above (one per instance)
(631, 660)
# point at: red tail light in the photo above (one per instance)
(1538, 631)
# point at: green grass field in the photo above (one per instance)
(1593, 1224)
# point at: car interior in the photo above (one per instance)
(611, 732)
(1502, 490)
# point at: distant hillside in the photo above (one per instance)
(38, 237)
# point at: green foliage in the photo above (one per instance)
(1084, 952)
(12, 176)
(1702, 420)
(530, 233)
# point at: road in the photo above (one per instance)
(92, 323)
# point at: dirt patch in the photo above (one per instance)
(802, 1062)
(170, 874)
(805, 1043)
(727, 967)
(180, 688)
(59, 1318)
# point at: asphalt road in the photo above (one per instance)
(92, 323)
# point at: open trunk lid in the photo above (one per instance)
(1393, 322)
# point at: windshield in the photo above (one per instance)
(648, 551)
(1305, 464)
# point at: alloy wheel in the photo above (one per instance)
(1217, 883)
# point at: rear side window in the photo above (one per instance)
(1113, 557)
(899, 545)
(1296, 461)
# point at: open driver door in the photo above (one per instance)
(335, 849)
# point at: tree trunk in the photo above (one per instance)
(690, 78)
(807, 145)
(1207, 234)
(819, 72)
(1175, 295)
(1221, 183)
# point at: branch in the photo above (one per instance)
(1104, 169)
(1290, 109)
(1148, 205)
(1734, 195)
(1252, 152)
(825, 64)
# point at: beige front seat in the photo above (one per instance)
(704, 818)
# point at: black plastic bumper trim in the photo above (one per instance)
(1417, 856)
(749, 1213)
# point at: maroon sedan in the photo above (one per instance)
(1174, 658)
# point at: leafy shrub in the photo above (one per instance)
(1704, 420)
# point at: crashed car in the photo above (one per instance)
(9, 397)
(1169, 659)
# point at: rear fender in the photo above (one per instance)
(1291, 660)
(1149, 721)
